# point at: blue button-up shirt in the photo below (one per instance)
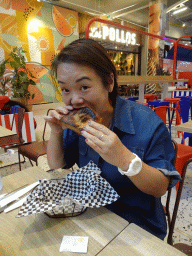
(144, 134)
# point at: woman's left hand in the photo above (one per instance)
(107, 144)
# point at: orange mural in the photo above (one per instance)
(41, 30)
(45, 44)
(37, 71)
(61, 23)
(5, 4)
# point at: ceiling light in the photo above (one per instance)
(177, 4)
(180, 10)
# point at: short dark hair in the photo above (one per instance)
(90, 53)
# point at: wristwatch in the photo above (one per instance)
(134, 167)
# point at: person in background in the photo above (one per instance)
(132, 146)
(8, 106)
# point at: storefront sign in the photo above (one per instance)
(113, 34)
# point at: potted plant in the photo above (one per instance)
(4, 87)
(22, 77)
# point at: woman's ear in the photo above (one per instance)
(111, 82)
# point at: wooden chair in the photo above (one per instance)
(34, 149)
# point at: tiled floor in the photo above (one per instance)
(183, 227)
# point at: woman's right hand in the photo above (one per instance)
(54, 118)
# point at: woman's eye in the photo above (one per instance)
(84, 88)
(65, 90)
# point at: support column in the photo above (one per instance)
(157, 24)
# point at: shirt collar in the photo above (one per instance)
(122, 118)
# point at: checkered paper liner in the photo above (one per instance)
(80, 189)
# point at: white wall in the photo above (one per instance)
(174, 31)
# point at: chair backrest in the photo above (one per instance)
(150, 97)
(46, 124)
(164, 111)
(172, 220)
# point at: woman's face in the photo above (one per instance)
(82, 87)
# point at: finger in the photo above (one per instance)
(93, 131)
(48, 118)
(93, 138)
(99, 127)
(64, 110)
(55, 114)
(93, 146)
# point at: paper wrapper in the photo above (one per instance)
(80, 189)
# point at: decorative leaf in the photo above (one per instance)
(22, 76)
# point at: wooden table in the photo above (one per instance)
(134, 241)
(8, 137)
(40, 235)
(185, 127)
(142, 80)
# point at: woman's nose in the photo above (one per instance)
(76, 99)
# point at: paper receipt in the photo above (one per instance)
(74, 244)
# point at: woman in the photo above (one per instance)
(132, 146)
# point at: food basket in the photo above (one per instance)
(67, 208)
(60, 198)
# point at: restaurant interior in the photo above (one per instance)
(154, 68)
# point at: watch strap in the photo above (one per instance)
(130, 172)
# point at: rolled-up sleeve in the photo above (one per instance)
(160, 154)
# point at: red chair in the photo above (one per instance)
(172, 220)
(150, 97)
(172, 101)
(165, 111)
(183, 159)
(183, 155)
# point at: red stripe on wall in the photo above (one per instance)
(27, 125)
(0, 120)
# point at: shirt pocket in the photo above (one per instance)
(138, 151)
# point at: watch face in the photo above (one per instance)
(136, 166)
